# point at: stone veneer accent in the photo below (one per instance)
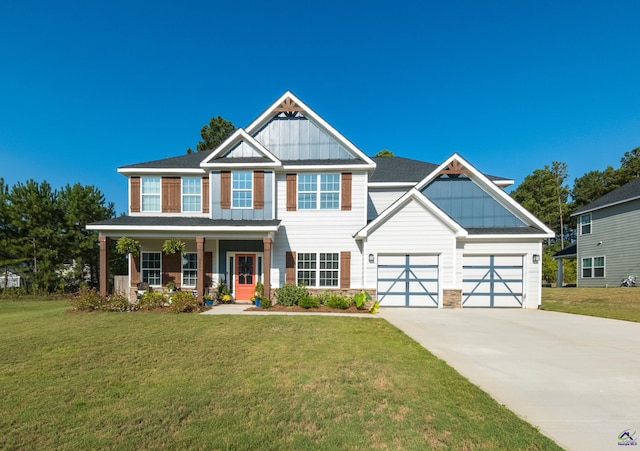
(451, 298)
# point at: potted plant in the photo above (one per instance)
(173, 245)
(208, 299)
(258, 293)
(171, 287)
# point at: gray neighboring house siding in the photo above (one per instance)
(615, 235)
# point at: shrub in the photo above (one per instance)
(361, 299)
(290, 294)
(87, 300)
(117, 303)
(265, 303)
(339, 301)
(152, 300)
(308, 302)
(324, 297)
(184, 302)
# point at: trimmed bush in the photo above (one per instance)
(290, 294)
(324, 297)
(152, 300)
(339, 301)
(117, 303)
(308, 302)
(184, 302)
(265, 303)
(87, 300)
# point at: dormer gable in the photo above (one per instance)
(240, 150)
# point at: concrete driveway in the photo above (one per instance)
(575, 377)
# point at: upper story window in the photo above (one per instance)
(242, 189)
(191, 194)
(318, 191)
(150, 193)
(585, 224)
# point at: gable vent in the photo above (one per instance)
(455, 167)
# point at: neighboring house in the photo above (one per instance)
(9, 279)
(288, 199)
(608, 246)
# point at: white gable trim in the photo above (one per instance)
(237, 137)
(411, 195)
(491, 188)
(261, 120)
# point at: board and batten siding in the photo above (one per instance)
(532, 272)
(263, 199)
(413, 230)
(379, 199)
(618, 228)
(319, 230)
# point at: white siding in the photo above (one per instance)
(413, 230)
(319, 230)
(532, 272)
(380, 199)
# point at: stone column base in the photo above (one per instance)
(451, 298)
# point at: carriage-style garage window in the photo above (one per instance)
(151, 268)
(318, 269)
(242, 189)
(318, 191)
(150, 193)
(191, 194)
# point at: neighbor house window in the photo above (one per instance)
(150, 193)
(192, 194)
(189, 269)
(150, 263)
(242, 189)
(318, 269)
(593, 267)
(585, 224)
(318, 191)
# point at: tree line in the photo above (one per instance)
(546, 194)
(43, 237)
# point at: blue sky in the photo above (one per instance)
(86, 87)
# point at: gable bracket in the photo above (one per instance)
(289, 107)
(455, 167)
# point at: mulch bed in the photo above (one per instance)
(297, 308)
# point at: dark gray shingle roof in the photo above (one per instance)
(189, 161)
(625, 193)
(567, 252)
(179, 221)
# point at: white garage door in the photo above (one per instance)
(492, 281)
(408, 280)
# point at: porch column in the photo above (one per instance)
(104, 265)
(200, 263)
(560, 273)
(267, 268)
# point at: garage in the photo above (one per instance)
(493, 281)
(408, 280)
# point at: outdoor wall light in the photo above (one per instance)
(536, 258)
(371, 258)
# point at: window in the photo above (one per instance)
(150, 193)
(318, 191)
(151, 268)
(585, 224)
(191, 194)
(242, 189)
(318, 270)
(593, 267)
(189, 269)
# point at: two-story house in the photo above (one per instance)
(608, 248)
(288, 199)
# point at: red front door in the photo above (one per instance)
(245, 277)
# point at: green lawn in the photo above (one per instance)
(616, 303)
(188, 381)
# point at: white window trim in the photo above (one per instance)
(319, 191)
(142, 268)
(590, 224)
(242, 190)
(182, 195)
(142, 194)
(183, 284)
(318, 269)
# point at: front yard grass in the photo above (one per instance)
(615, 303)
(188, 381)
